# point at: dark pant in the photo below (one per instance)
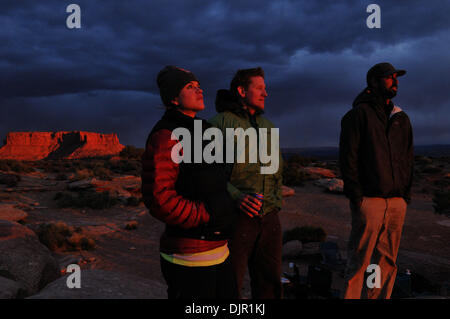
(210, 282)
(256, 243)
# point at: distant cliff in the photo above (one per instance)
(31, 146)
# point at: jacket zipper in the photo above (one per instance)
(254, 124)
(390, 151)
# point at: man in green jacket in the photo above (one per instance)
(256, 184)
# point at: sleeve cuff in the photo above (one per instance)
(233, 191)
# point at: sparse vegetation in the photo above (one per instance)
(431, 169)
(61, 177)
(422, 160)
(81, 174)
(293, 176)
(305, 234)
(102, 173)
(124, 166)
(133, 201)
(132, 153)
(59, 236)
(101, 168)
(292, 172)
(86, 198)
(300, 160)
(441, 202)
(10, 180)
(131, 225)
(16, 166)
(79, 169)
(442, 183)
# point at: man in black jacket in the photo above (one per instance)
(376, 160)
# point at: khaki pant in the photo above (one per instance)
(375, 238)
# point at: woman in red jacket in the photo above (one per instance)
(190, 198)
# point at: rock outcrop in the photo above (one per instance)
(31, 146)
(9, 289)
(287, 191)
(318, 172)
(333, 185)
(24, 260)
(9, 212)
(101, 284)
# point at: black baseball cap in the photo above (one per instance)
(382, 70)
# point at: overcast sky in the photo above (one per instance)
(316, 54)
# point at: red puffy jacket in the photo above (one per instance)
(159, 178)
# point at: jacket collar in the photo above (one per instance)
(396, 109)
(225, 101)
(180, 118)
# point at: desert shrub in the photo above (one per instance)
(93, 167)
(441, 200)
(68, 164)
(10, 180)
(97, 200)
(300, 160)
(81, 174)
(132, 152)
(64, 199)
(43, 165)
(53, 235)
(61, 177)
(60, 236)
(51, 166)
(83, 199)
(133, 201)
(4, 166)
(131, 167)
(16, 166)
(293, 176)
(442, 183)
(430, 169)
(102, 173)
(305, 234)
(79, 241)
(419, 159)
(131, 225)
(61, 165)
(90, 163)
(76, 165)
(332, 165)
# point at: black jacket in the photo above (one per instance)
(376, 149)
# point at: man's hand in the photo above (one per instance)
(249, 205)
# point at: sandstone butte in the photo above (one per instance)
(32, 146)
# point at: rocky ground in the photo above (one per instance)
(123, 260)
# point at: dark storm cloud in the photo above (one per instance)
(126, 113)
(315, 54)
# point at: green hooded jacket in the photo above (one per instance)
(247, 177)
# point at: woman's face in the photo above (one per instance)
(190, 99)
